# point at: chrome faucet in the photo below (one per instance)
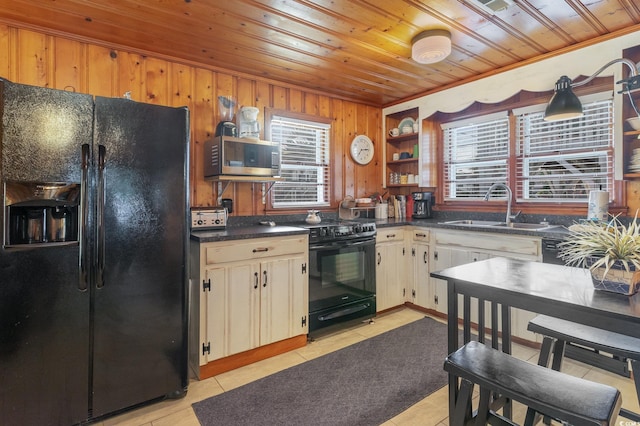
(509, 197)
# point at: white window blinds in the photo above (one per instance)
(475, 156)
(304, 162)
(564, 160)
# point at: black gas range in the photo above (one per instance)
(342, 273)
(340, 231)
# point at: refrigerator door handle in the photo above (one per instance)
(102, 151)
(83, 283)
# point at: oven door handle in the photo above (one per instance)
(346, 243)
(344, 312)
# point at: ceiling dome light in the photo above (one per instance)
(431, 46)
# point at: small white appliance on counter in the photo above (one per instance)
(204, 218)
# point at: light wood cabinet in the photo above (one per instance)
(442, 257)
(391, 269)
(452, 248)
(252, 293)
(420, 292)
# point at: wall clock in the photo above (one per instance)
(362, 149)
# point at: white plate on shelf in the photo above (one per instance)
(407, 121)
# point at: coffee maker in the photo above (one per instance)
(422, 202)
(248, 125)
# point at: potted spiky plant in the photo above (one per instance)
(611, 251)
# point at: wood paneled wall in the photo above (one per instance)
(37, 58)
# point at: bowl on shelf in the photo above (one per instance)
(634, 123)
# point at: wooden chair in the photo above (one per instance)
(551, 393)
(559, 334)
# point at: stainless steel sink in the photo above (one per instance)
(472, 222)
(527, 226)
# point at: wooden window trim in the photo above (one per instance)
(269, 113)
(524, 98)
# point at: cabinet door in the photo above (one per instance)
(276, 292)
(243, 310)
(390, 275)
(213, 302)
(422, 293)
(444, 257)
(299, 295)
(476, 256)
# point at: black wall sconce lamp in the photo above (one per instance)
(565, 104)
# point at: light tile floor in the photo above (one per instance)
(433, 410)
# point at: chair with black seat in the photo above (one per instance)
(560, 334)
(566, 398)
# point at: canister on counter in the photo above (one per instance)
(598, 207)
(382, 210)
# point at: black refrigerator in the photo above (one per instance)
(93, 276)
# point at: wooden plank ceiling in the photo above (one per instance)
(354, 49)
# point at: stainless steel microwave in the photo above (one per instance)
(227, 155)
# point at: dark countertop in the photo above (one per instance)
(246, 232)
(259, 231)
(551, 232)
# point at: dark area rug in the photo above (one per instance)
(363, 384)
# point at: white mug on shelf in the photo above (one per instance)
(396, 156)
(394, 132)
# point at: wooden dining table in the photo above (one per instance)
(498, 284)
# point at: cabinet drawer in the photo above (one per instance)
(389, 234)
(253, 249)
(493, 242)
(420, 234)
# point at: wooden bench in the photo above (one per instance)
(559, 334)
(548, 392)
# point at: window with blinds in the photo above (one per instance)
(476, 154)
(304, 162)
(564, 160)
